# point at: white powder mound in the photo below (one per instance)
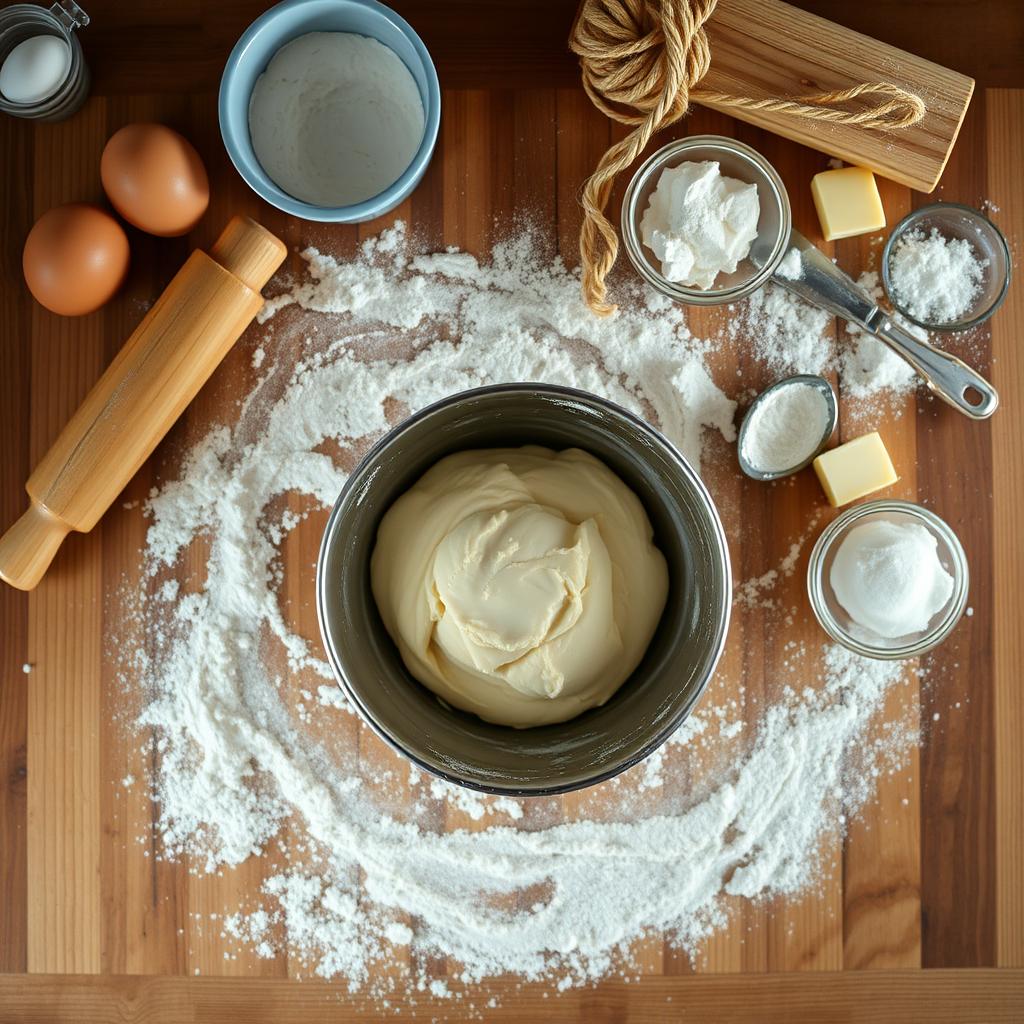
(240, 757)
(699, 223)
(934, 278)
(790, 268)
(785, 427)
(335, 118)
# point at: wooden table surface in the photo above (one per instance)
(931, 876)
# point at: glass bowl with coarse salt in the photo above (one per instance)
(888, 579)
(946, 267)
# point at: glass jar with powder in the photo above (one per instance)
(888, 579)
(43, 75)
(946, 267)
(706, 220)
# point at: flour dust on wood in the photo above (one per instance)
(373, 870)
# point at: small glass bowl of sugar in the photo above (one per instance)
(888, 579)
(946, 267)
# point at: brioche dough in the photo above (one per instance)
(519, 583)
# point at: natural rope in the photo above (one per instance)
(641, 61)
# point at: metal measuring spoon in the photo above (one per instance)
(823, 284)
(832, 417)
(818, 281)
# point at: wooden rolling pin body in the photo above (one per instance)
(160, 369)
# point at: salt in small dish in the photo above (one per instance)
(954, 221)
(832, 418)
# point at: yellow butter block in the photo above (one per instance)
(847, 202)
(854, 469)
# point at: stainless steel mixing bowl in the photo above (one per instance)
(649, 706)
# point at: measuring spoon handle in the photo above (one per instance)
(823, 284)
(949, 378)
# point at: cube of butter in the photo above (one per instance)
(847, 202)
(854, 469)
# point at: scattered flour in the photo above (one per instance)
(868, 368)
(244, 714)
(790, 336)
(751, 593)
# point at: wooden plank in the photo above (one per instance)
(65, 620)
(954, 466)
(768, 49)
(1005, 146)
(898, 997)
(15, 368)
(175, 48)
(129, 920)
(882, 851)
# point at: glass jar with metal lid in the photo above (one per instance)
(22, 22)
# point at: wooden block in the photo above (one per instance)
(765, 48)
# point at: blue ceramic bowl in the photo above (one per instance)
(280, 25)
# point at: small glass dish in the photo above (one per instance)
(736, 161)
(832, 415)
(833, 616)
(954, 220)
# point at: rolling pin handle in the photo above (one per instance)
(249, 251)
(29, 545)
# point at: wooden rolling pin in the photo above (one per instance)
(160, 369)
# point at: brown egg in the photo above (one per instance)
(75, 258)
(155, 179)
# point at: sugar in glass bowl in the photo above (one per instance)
(835, 619)
(956, 221)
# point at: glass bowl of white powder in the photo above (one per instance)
(888, 579)
(706, 220)
(946, 267)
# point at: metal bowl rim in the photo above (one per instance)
(365, 466)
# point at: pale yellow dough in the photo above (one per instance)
(519, 583)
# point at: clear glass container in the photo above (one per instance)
(25, 21)
(736, 160)
(834, 618)
(954, 220)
